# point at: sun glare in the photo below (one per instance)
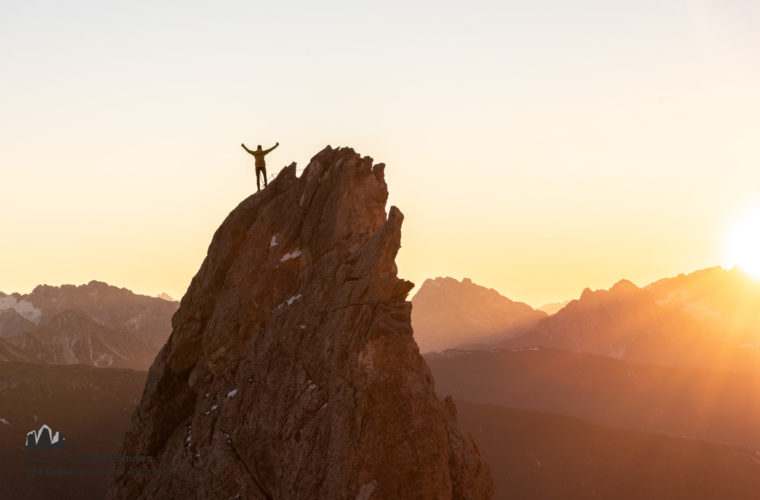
(743, 243)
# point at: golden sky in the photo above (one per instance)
(537, 149)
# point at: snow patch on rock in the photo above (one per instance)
(23, 307)
(291, 255)
(288, 302)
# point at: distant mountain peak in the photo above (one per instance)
(624, 286)
(705, 319)
(95, 324)
(553, 307)
(620, 289)
(448, 313)
(587, 294)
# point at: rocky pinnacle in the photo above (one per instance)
(291, 371)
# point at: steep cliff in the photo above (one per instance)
(291, 371)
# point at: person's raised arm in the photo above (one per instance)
(270, 149)
(251, 152)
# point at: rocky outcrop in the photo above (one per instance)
(291, 371)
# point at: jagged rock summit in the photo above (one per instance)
(291, 371)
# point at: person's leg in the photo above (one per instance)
(258, 183)
(264, 171)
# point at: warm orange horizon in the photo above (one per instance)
(536, 153)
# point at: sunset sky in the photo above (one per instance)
(535, 147)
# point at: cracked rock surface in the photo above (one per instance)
(291, 371)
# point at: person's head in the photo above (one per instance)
(258, 147)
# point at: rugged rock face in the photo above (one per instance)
(9, 352)
(291, 371)
(116, 308)
(72, 337)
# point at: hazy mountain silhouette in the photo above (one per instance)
(72, 337)
(93, 324)
(708, 319)
(447, 313)
(553, 307)
(677, 357)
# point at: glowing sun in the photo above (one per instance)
(743, 242)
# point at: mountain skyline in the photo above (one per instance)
(706, 319)
(94, 324)
(447, 314)
(550, 307)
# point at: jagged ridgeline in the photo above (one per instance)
(291, 371)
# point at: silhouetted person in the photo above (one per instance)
(261, 165)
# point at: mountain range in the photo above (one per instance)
(657, 385)
(94, 324)
(709, 319)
